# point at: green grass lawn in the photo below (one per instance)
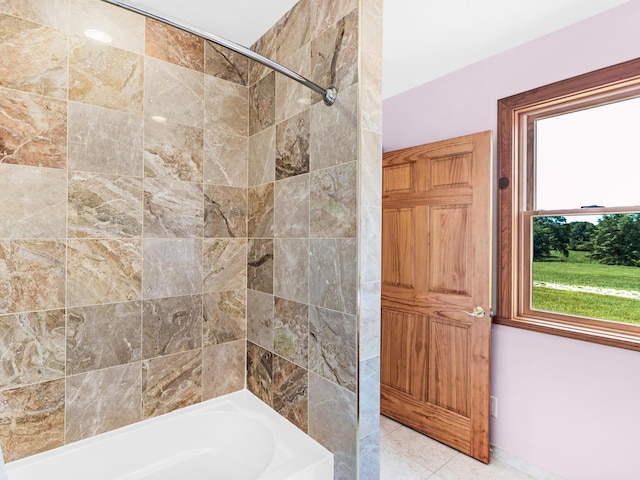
(587, 304)
(579, 270)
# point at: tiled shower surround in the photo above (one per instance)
(177, 221)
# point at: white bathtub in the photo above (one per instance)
(234, 437)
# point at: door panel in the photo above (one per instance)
(436, 264)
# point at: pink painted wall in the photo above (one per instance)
(569, 407)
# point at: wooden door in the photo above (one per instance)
(436, 276)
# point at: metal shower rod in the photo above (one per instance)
(329, 94)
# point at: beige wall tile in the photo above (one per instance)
(125, 28)
(102, 206)
(53, 13)
(171, 325)
(333, 200)
(93, 406)
(225, 316)
(225, 64)
(33, 130)
(32, 202)
(225, 159)
(32, 275)
(102, 336)
(105, 76)
(105, 141)
(173, 45)
(33, 347)
(42, 51)
(32, 419)
(172, 208)
(226, 108)
(224, 264)
(223, 369)
(173, 93)
(172, 267)
(173, 151)
(262, 157)
(171, 382)
(103, 271)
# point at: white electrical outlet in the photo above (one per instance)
(493, 406)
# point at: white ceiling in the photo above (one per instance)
(423, 39)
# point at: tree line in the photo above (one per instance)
(614, 240)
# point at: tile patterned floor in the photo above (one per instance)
(408, 455)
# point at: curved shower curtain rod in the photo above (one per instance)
(329, 94)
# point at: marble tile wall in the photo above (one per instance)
(123, 222)
(314, 221)
(177, 221)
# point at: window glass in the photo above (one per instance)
(587, 266)
(589, 157)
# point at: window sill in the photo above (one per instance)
(612, 337)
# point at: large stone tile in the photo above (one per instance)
(333, 346)
(226, 107)
(292, 146)
(173, 93)
(173, 151)
(103, 271)
(260, 264)
(333, 422)
(42, 51)
(32, 202)
(125, 28)
(291, 207)
(33, 130)
(290, 392)
(262, 157)
(291, 96)
(225, 64)
(102, 400)
(104, 206)
(334, 132)
(327, 14)
(260, 314)
(102, 336)
(225, 159)
(225, 211)
(332, 274)
(105, 141)
(260, 211)
(291, 269)
(291, 331)
(172, 267)
(224, 316)
(334, 54)
(333, 202)
(262, 104)
(223, 368)
(293, 30)
(171, 325)
(32, 419)
(462, 467)
(33, 347)
(171, 382)
(224, 264)
(260, 372)
(105, 76)
(32, 275)
(171, 44)
(54, 13)
(173, 208)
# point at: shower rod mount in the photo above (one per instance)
(329, 94)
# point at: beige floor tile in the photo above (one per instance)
(420, 448)
(462, 467)
(387, 425)
(396, 466)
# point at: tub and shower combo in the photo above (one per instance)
(233, 437)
